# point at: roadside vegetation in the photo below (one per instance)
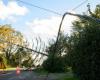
(81, 49)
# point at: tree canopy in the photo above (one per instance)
(11, 53)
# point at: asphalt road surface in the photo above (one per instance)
(24, 75)
(28, 75)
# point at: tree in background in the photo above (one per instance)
(8, 38)
(9, 41)
(14, 48)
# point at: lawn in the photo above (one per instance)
(57, 76)
(8, 69)
(70, 78)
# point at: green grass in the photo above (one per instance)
(8, 69)
(61, 76)
(40, 71)
(71, 78)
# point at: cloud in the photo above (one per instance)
(11, 9)
(44, 26)
(48, 28)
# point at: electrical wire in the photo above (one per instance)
(48, 10)
(80, 5)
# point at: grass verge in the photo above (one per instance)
(41, 71)
(8, 69)
(70, 78)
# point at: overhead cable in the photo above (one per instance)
(80, 5)
(45, 9)
(48, 10)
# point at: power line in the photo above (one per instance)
(48, 10)
(24, 47)
(80, 5)
(45, 9)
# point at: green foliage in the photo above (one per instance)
(40, 71)
(85, 52)
(97, 12)
(1, 59)
(71, 78)
(12, 54)
(58, 66)
(55, 61)
(8, 37)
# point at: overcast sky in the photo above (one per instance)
(33, 22)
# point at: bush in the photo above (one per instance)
(54, 65)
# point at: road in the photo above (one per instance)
(29, 75)
(24, 75)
